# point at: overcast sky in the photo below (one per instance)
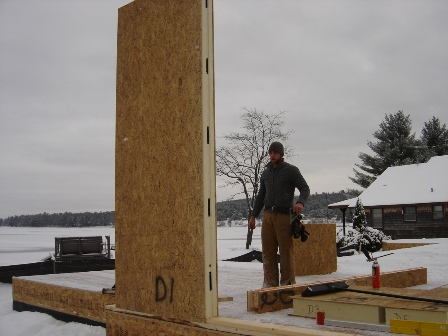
(336, 68)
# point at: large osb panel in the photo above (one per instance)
(318, 254)
(160, 138)
(78, 302)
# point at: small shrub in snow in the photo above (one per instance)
(351, 238)
(361, 236)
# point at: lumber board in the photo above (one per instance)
(395, 279)
(421, 328)
(225, 298)
(391, 245)
(278, 298)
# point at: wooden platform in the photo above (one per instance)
(375, 309)
(78, 295)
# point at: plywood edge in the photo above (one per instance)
(212, 326)
(357, 325)
(260, 328)
(31, 281)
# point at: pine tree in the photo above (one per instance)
(434, 138)
(396, 146)
(359, 217)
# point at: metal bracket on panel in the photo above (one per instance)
(208, 206)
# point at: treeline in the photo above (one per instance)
(316, 207)
(66, 219)
(317, 204)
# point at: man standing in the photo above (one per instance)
(277, 185)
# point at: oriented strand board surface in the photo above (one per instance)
(78, 294)
(318, 254)
(161, 142)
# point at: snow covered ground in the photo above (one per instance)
(23, 245)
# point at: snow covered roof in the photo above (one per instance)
(343, 204)
(411, 184)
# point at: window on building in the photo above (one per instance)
(410, 214)
(377, 218)
(437, 212)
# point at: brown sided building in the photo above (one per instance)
(408, 201)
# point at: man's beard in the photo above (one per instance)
(276, 162)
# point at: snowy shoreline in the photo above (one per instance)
(23, 245)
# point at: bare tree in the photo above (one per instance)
(243, 160)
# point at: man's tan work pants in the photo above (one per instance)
(276, 235)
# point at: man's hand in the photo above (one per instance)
(252, 222)
(298, 208)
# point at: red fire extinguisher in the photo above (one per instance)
(375, 274)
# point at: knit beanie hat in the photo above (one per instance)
(277, 147)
